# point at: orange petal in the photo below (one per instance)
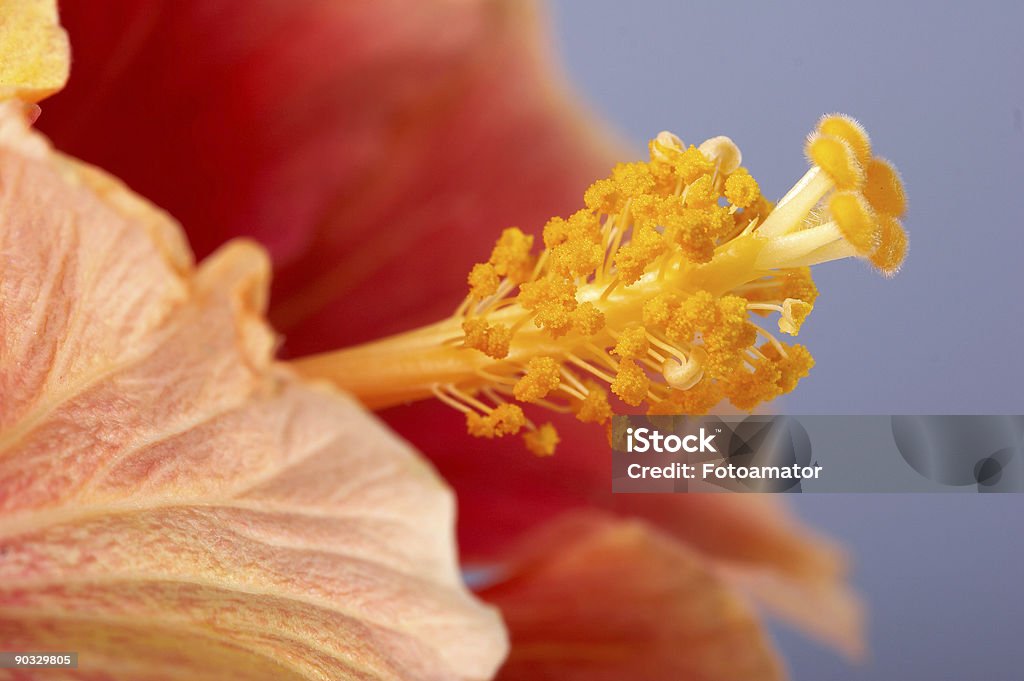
(593, 598)
(797, 574)
(173, 503)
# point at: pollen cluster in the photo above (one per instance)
(655, 292)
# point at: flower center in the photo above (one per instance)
(652, 292)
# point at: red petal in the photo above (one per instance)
(593, 598)
(376, 148)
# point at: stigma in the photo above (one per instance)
(667, 291)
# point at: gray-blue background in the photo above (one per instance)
(940, 87)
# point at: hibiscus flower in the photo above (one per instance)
(375, 149)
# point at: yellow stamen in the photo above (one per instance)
(632, 343)
(541, 378)
(483, 280)
(648, 293)
(741, 189)
(543, 440)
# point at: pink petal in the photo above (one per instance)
(173, 503)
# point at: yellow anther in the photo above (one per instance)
(728, 335)
(798, 283)
(701, 193)
(691, 164)
(541, 379)
(694, 314)
(665, 147)
(542, 441)
(697, 400)
(741, 189)
(892, 247)
(632, 179)
(587, 319)
(794, 312)
(661, 308)
(632, 344)
(796, 364)
(837, 159)
(583, 224)
(578, 256)
(555, 318)
(633, 258)
(594, 408)
(535, 294)
(884, 189)
(794, 283)
(505, 419)
(722, 151)
(631, 383)
(492, 340)
(855, 220)
(760, 210)
(747, 389)
(511, 255)
(556, 232)
(483, 280)
(603, 197)
(850, 131)
(694, 230)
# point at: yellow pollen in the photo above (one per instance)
(631, 383)
(483, 280)
(493, 341)
(511, 255)
(632, 259)
(697, 400)
(594, 408)
(505, 419)
(700, 193)
(587, 319)
(741, 189)
(653, 292)
(542, 377)
(632, 344)
(543, 440)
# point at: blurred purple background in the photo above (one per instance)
(940, 87)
